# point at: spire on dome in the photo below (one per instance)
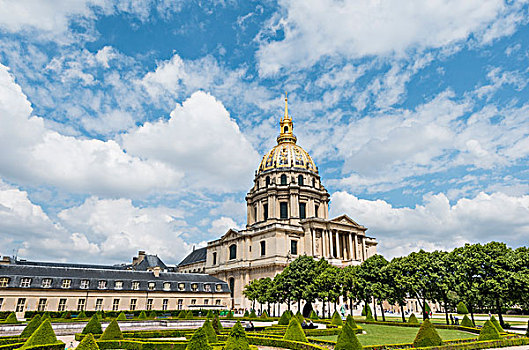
(286, 126)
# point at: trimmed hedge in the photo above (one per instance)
(462, 308)
(189, 315)
(467, 322)
(230, 316)
(313, 315)
(80, 315)
(264, 315)
(121, 316)
(199, 341)
(237, 339)
(283, 343)
(162, 333)
(11, 319)
(347, 339)
(253, 315)
(31, 327)
(351, 322)
(527, 332)
(497, 324)
(336, 319)
(294, 331)
(210, 332)
(93, 326)
(88, 343)
(42, 336)
(217, 325)
(112, 332)
(413, 319)
(489, 332)
(142, 316)
(427, 336)
(284, 320)
(139, 345)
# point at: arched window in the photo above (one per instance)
(283, 179)
(313, 182)
(300, 180)
(285, 129)
(233, 251)
(267, 181)
(214, 258)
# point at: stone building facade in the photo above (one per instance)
(287, 216)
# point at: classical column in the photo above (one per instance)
(351, 246)
(363, 248)
(356, 246)
(323, 244)
(313, 238)
(337, 244)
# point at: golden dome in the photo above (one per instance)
(287, 154)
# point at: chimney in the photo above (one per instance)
(156, 271)
(5, 260)
(138, 259)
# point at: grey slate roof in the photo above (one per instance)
(195, 256)
(15, 273)
(150, 261)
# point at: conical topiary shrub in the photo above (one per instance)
(237, 339)
(336, 319)
(81, 314)
(264, 315)
(366, 310)
(99, 315)
(369, 316)
(246, 313)
(497, 324)
(87, 343)
(142, 316)
(284, 320)
(527, 331)
(217, 326)
(209, 314)
(11, 318)
(189, 315)
(45, 316)
(253, 314)
(489, 332)
(199, 341)
(313, 315)
(182, 314)
(427, 336)
(112, 332)
(347, 339)
(44, 335)
(300, 318)
(413, 319)
(152, 314)
(230, 316)
(93, 326)
(467, 322)
(462, 308)
(294, 331)
(121, 316)
(351, 322)
(210, 332)
(33, 324)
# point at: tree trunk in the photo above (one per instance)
(402, 313)
(253, 305)
(299, 305)
(351, 306)
(424, 313)
(382, 311)
(471, 309)
(288, 301)
(500, 317)
(375, 309)
(446, 312)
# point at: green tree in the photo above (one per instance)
(237, 339)
(298, 276)
(251, 291)
(199, 341)
(347, 340)
(397, 292)
(427, 336)
(112, 332)
(88, 343)
(93, 326)
(328, 286)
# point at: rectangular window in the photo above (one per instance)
(133, 304)
(42, 304)
(302, 211)
(193, 301)
(102, 285)
(99, 304)
(214, 258)
(25, 282)
(165, 303)
(152, 285)
(135, 285)
(255, 212)
(4, 281)
(46, 283)
(265, 211)
(1, 302)
(206, 301)
(66, 283)
(149, 304)
(21, 302)
(62, 305)
(80, 304)
(294, 247)
(316, 209)
(217, 302)
(180, 304)
(283, 210)
(115, 305)
(85, 284)
(118, 285)
(263, 248)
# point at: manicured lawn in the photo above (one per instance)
(378, 334)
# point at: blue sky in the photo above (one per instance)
(130, 126)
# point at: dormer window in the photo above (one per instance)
(194, 287)
(102, 285)
(85, 284)
(118, 285)
(166, 286)
(25, 282)
(135, 285)
(4, 281)
(46, 283)
(152, 285)
(207, 288)
(181, 286)
(67, 283)
(218, 288)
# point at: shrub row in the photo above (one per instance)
(282, 343)
(439, 326)
(164, 333)
(111, 314)
(54, 346)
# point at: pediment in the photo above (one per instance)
(346, 220)
(231, 234)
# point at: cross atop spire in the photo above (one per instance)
(286, 126)
(286, 106)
